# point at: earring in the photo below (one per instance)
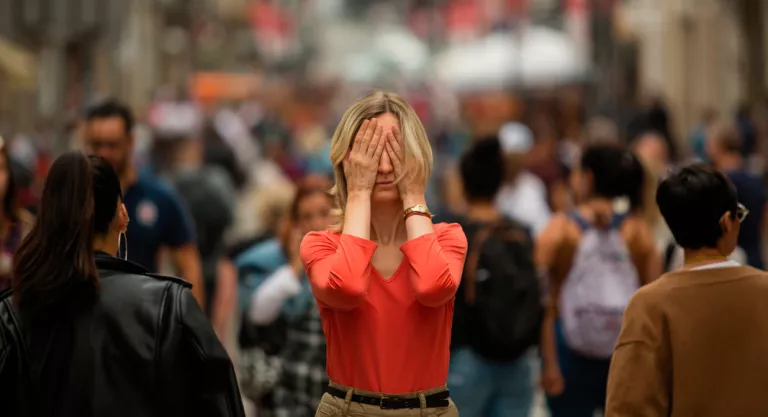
(122, 238)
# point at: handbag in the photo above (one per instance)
(260, 365)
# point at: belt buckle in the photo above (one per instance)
(391, 403)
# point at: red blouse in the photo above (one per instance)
(386, 335)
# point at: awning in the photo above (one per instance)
(18, 64)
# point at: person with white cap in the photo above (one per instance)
(523, 196)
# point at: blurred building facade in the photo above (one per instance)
(699, 54)
(58, 44)
(58, 55)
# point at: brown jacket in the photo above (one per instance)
(694, 344)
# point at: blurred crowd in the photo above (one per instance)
(222, 193)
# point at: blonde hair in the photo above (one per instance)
(418, 152)
(273, 203)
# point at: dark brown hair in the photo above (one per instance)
(55, 262)
(307, 188)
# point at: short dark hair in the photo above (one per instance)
(111, 108)
(616, 172)
(482, 170)
(692, 202)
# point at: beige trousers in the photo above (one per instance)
(331, 406)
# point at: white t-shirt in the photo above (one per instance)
(525, 200)
(738, 257)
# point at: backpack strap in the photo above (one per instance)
(580, 221)
(473, 259)
(617, 221)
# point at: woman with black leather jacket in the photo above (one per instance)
(84, 333)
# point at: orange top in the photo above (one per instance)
(391, 336)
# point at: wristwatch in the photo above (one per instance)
(417, 210)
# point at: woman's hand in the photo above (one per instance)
(411, 185)
(552, 380)
(362, 163)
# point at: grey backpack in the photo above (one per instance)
(601, 280)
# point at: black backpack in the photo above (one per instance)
(502, 292)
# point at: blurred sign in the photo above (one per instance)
(206, 86)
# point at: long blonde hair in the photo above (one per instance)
(418, 152)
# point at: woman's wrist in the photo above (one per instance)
(358, 195)
(413, 200)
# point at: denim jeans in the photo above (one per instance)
(487, 389)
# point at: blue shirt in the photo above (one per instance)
(158, 219)
(751, 192)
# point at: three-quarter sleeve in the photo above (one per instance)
(338, 267)
(437, 262)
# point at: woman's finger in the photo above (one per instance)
(368, 135)
(392, 156)
(397, 142)
(359, 136)
(380, 144)
(374, 142)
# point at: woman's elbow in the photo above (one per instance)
(437, 293)
(346, 296)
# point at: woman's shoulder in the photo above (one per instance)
(450, 231)
(321, 236)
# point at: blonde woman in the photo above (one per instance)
(384, 275)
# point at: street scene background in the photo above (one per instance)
(259, 86)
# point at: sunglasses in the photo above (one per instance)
(741, 213)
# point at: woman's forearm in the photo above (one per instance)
(357, 215)
(225, 303)
(548, 340)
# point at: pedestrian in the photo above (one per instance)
(282, 365)
(523, 196)
(84, 333)
(693, 343)
(286, 296)
(384, 275)
(498, 308)
(724, 149)
(595, 258)
(210, 196)
(160, 219)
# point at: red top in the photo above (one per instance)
(391, 336)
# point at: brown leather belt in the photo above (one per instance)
(439, 399)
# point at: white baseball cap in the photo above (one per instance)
(515, 137)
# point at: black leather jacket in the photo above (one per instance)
(144, 348)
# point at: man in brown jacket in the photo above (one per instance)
(695, 342)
